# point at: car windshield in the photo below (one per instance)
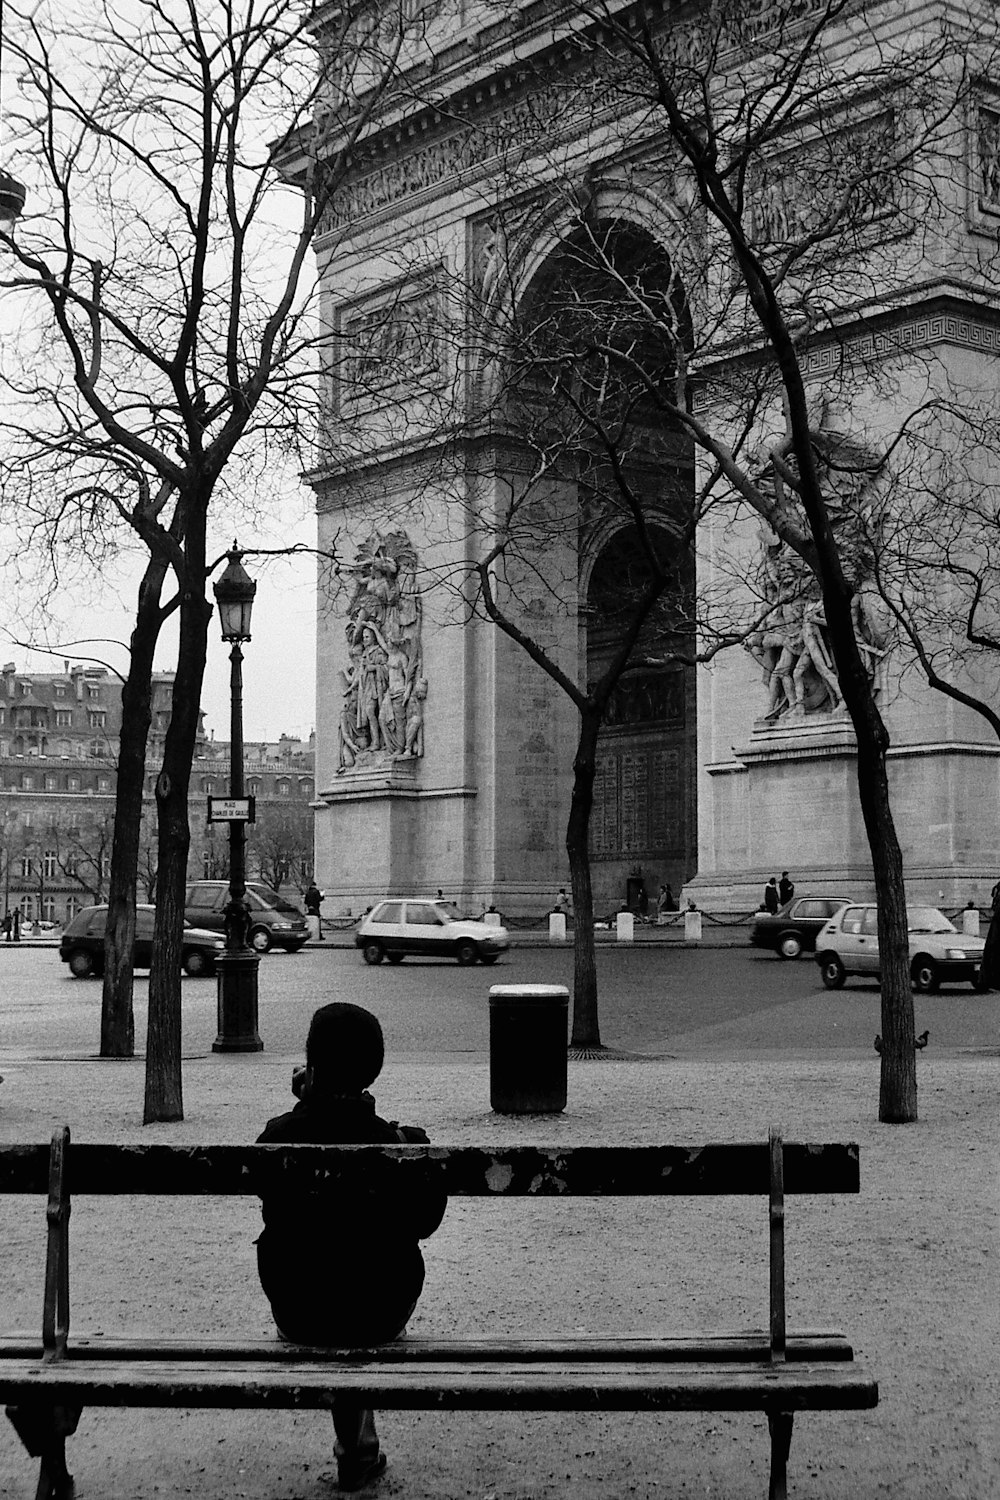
(927, 919)
(272, 899)
(449, 912)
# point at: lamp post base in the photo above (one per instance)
(237, 1003)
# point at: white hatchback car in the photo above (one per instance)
(848, 944)
(435, 929)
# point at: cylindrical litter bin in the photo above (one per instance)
(528, 1048)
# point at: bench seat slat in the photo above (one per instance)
(740, 1168)
(484, 1386)
(749, 1345)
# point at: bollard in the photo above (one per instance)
(491, 919)
(970, 921)
(626, 927)
(557, 926)
(313, 924)
(692, 926)
(528, 1048)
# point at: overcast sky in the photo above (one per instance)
(279, 667)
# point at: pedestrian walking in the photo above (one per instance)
(771, 902)
(786, 889)
(313, 898)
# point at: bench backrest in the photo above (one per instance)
(743, 1169)
(469, 1171)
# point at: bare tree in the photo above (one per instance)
(162, 363)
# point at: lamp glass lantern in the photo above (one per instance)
(12, 196)
(234, 594)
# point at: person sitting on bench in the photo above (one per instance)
(343, 1266)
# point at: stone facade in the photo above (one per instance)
(457, 201)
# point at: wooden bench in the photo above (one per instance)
(46, 1382)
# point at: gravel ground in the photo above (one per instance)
(908, 1270)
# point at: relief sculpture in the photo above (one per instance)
(792, 644)
(382, 710)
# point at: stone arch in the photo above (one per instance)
(515, 246)
(643, 829)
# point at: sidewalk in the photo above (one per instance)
(907, 1270)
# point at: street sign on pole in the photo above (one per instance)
(232, 809)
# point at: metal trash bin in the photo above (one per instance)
(528, 1048)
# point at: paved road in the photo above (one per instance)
(680, 1002)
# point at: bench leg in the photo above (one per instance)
(43, 1430)
(780, 1426)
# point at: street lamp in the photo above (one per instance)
(12, 196)
(238, 965)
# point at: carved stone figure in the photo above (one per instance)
(384, 648)
(792, 643)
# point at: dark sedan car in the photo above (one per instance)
(82, 943)
(793, 929)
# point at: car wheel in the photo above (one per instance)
(465, 952)
(81, 963)
(373, 952)
(195, 963)
(832, 971)
(260, 939)
(789, 945)
(488, 958)
(395, 958)
(924, 974)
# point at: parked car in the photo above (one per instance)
(274, 922)
(792, 930)
(82, 943)
(395, 928)
(848, 944)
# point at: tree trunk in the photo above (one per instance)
(586, 1031)
(898, 1088)
(117, 1020)
(164, 1091)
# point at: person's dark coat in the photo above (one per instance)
(771, 898)
(343, 1266)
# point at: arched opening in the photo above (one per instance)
(601, 335)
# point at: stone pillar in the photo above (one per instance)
(692, 926)
(970, 921)
(626, 927)
(557, 926)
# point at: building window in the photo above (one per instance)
(73, 905)
(73, 783)
(27, 905)
(97, 718)
(64, 718)
(27, 867)
(25, 689)
(50, 864)
(72, 865)
(51, 782)
(2, 713)
(253, 787)
(28, 782)
(93, 692)
(60, 690)
(49, 909)
(208, 785)
(104, 783)
(283, 788)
